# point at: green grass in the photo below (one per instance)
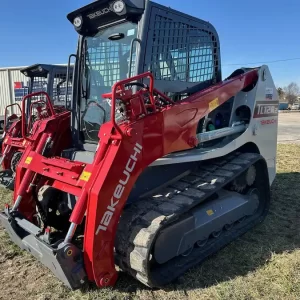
(263, 264)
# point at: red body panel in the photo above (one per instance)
(58, 128)
(124, 151)
(16, 137)
(11, 143)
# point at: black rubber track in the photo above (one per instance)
(142, 221)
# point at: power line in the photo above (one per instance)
(263, 62)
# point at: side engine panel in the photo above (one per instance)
(263, 103)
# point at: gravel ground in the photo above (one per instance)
(289, 128)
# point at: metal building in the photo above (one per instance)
(12, 83)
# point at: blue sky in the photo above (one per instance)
(249, 31)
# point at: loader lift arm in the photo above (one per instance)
(178, 125)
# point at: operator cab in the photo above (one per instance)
(51, 79)
(120, 39)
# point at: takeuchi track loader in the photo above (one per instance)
(51, 79)
(158, 164)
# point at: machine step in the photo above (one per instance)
(218, 133)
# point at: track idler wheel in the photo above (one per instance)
(228, 226)
(202, 243)
(188, 251)
(216, 234)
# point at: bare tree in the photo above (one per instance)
(281, 93)
(292, 92)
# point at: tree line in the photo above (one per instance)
(290, 93)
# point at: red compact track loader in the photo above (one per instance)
(50, 79)
(159, 163)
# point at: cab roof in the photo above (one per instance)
(41, 70)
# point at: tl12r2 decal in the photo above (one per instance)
(265, 109)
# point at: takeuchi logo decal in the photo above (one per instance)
(117, 7)
(100, 13)
(266, 109)
(119, 189)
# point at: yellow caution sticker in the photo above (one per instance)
(85, 176)
(28, 160)
(210, 212)
(213, 104)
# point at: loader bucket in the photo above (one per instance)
(64, 260)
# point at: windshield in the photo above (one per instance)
(106, 61)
